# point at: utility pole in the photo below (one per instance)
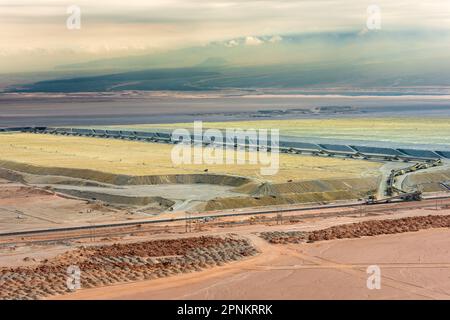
(279, 218)
(92, 232)
(188, 221)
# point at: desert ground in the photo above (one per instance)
(141, 177)
(409, 246)
(414, 266)
(304, 233)
(216, 149)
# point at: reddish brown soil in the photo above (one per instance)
(21, 192)
(415, 265)
(156, 248)
(119, 263)
(361, 229)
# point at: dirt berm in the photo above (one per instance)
(428, 181)
(314, 191)
(120, 179)
(356, 184)
(292, 198)
(159, 202)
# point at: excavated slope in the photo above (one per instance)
(120, 179)
(428, 181)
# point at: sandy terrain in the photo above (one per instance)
(413, 266)
(23, 208)
(118, 263)
(27, 206)
(134, 174)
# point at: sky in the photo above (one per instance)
(34, 35)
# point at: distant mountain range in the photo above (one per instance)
(355, 59)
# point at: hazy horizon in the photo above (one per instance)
(36, 38)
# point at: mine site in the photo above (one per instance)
(225, 159)
(109, 202)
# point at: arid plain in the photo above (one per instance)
(140, 227)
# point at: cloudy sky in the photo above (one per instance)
(34, 35)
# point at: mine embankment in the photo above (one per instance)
(160, 192)
(108, 169)
(315, 191)
(121, 263)
(319, 185)
(361, 229)
(434, 181)
(120, 179)
(158, 202)
(224, 192)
